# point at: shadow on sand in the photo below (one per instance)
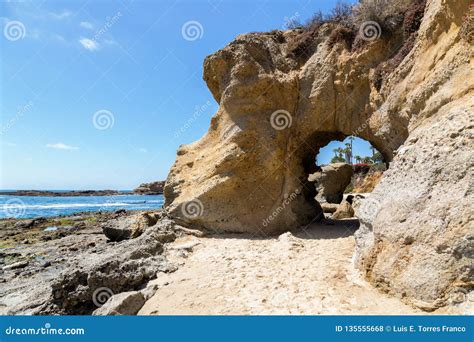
(326, 229)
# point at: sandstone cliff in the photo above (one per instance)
(276, 110)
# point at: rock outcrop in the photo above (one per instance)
(123, 228)
(331, 181)
(249, 172)
(153, 188)
(129, 266)
(76, 273)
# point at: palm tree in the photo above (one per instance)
(367, 160)
(358, 159)
(377, 158)
(373, 150)
(338, 155)
(348, 153)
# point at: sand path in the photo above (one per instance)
(310, 272)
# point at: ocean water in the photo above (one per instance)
(39, 206)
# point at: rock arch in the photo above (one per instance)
(274, 116)
(247, 173)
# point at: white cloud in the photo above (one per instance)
(86, 25)
(61, 146)
(143, 150)
(6, 143)
(89, 44)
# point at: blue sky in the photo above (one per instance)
(99, 94)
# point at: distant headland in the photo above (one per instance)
(153, 188)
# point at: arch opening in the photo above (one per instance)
(340, 169)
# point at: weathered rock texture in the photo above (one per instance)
(129, 227)
(130, 265)
(331, 181)
(416, 230)
(366, 182)
(125, 303)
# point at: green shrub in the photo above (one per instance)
(302, 45)
(411, 24)
(389, 14)
(413, 17)
(342, 34)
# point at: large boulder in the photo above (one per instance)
(125, 303)
(331, 181)
(249, 172)
(123, 228)
(343, 211)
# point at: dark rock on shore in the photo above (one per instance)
(154, 188)
(130, 227)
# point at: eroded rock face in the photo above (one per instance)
(249, 172)
(416, 236)
(331, 181)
